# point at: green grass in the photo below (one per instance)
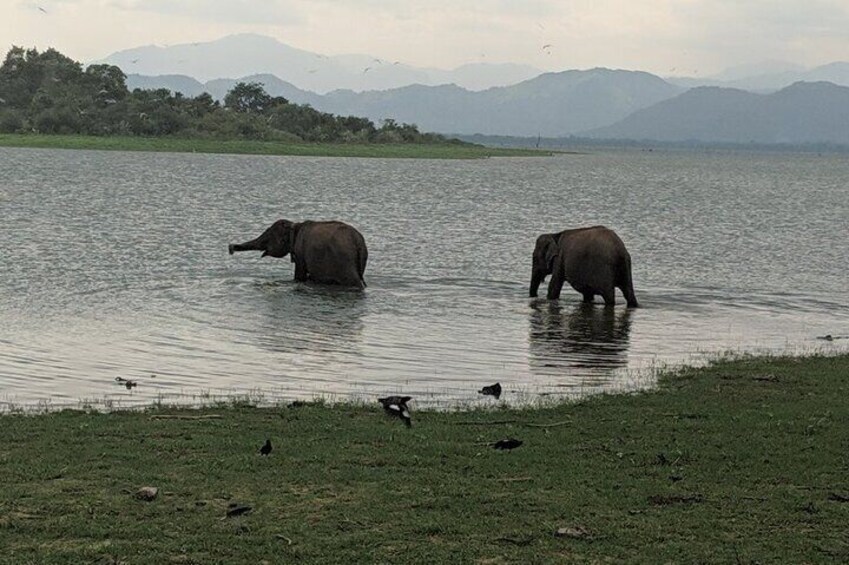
(181, 145)
(744, 461)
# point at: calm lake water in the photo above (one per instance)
(116, 265)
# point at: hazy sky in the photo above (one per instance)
(681, 37)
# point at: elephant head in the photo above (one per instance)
(276, 241)
(545, 253)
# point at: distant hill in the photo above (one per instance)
(767, 78)
(805, 112)
(551, 104)
(250, 54)
(175, 83)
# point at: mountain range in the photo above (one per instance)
(758, 79)
(805, 112)
(551, 104)
(782, 103)
(248, 54)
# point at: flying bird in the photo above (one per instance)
(367, 69)
(266, 449)
(42, 9)
(509, 443)
(491, 390)
(397, 406)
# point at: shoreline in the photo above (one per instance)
(646, 379)
(255, 147)
(743, 459)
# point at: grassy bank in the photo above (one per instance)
(740, 462)
(179, 145)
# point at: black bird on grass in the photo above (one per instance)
(266, 449)
(397, 406)
(509, 443)
(491, 390)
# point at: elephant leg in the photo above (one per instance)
(609, 296)
(588, 297)
(300, 271)
(630, 297)
(555, 285)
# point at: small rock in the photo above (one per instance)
(574, 532)
(147, 493)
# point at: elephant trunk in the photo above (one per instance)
(258, 244)
(536, 279)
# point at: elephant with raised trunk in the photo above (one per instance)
(323, 252)
(593, 260)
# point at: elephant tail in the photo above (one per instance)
(362, 258)
(627, 284)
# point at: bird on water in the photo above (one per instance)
(491, 390)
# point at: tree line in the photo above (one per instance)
(49, 93)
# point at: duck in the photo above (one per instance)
(491, 390)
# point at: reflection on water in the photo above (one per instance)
(582, 336)
(297, 318)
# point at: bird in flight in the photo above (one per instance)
(42, 9)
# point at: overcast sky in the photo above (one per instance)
(680, 37)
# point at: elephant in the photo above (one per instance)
(593, 260)
(327, 252)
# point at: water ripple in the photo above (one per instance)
(116, 265)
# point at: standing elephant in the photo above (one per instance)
(324, 252)
(593, 260)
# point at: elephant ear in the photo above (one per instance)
(550, 251)
(291, 237)
(280, 239)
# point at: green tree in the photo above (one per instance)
(249, 97)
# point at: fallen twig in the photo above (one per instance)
(501, 422)
(486, 423)
(515, 541)
(553, 425)
(185, 417)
